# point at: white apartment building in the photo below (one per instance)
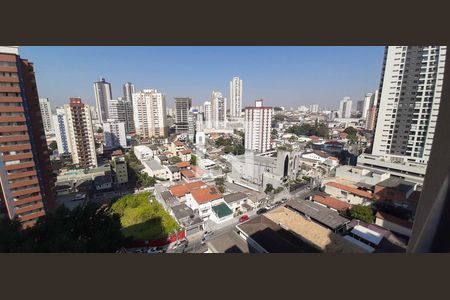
(411, 86)
(61, 131)
(81, 134)
(46, 113)
(218, 110)
(257, 127)
(128, 90)
(208, 114)
(235, 97)
(314, 108)
(122, 110)
(115, 134)
(102, 93)
(345, 108)
(149, 114)
(366, 105)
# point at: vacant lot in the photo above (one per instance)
(143, 219)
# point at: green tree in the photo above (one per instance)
(269, 188)
(220, 184)
(238, 149)
(278, 190)
(100, 130)
(144, 180)
(360, 212)
(279, 117)
(53, 146)
(193, 160)
(89, 228)
(174, 160)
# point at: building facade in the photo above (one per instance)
(182, 108)
(27, 185)
(115, 135)
(258, 127)
(372, 111)
(345, 108)
(410, 94)
(128, 90)
(81, 133)
(218, 110)
(149, 114)
(46, 113)
(208, 114)
(102, 93)
(235, 97)
(61, 131)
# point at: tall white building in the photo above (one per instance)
(345, 108)
(128, 90)
(115, 134)
(235, 97)
(61, 131)
(103, 94)
(81, 133)
(46, 112)
(314, 108)
(218, 110)
(366, 105)
(258, 127)
(410, 95)
(208, 114)
(372, 111)
(149, 114)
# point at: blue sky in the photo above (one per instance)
(282, 76)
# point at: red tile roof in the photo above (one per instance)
(185, 151)
(332, 202)
(178, 143)
(350, 189)
(206, 195)
(394, 219)
(167, 152)
(182, 189)
(187, 173)
(183, 164)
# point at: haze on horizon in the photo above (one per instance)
(287, 76)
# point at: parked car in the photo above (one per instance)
(243, 218)
(155, 250)
(261, 211)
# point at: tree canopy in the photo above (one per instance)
(89, 228)
(360, 212)
(307, 129)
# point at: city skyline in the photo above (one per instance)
(282, 76)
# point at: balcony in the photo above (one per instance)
(9, 89)
(23, 183)
(29, 208)
(20, 175)
(17, 156)
(14, 138)
(25, 192)
(27, 200)
(15, 147)
(20, 166)
(13, 128)
(4, 99)
(12, 119)
(32, 216)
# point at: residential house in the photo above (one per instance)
(185, 154)
(393, 223)
(173, 173)
(180, 190)
(154, 169)
(204, 200)
(237, 202)
(351, 194)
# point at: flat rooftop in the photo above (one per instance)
(229, 242)
(318, 213)
(312, 233)
(274, 238)
(397, 183)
